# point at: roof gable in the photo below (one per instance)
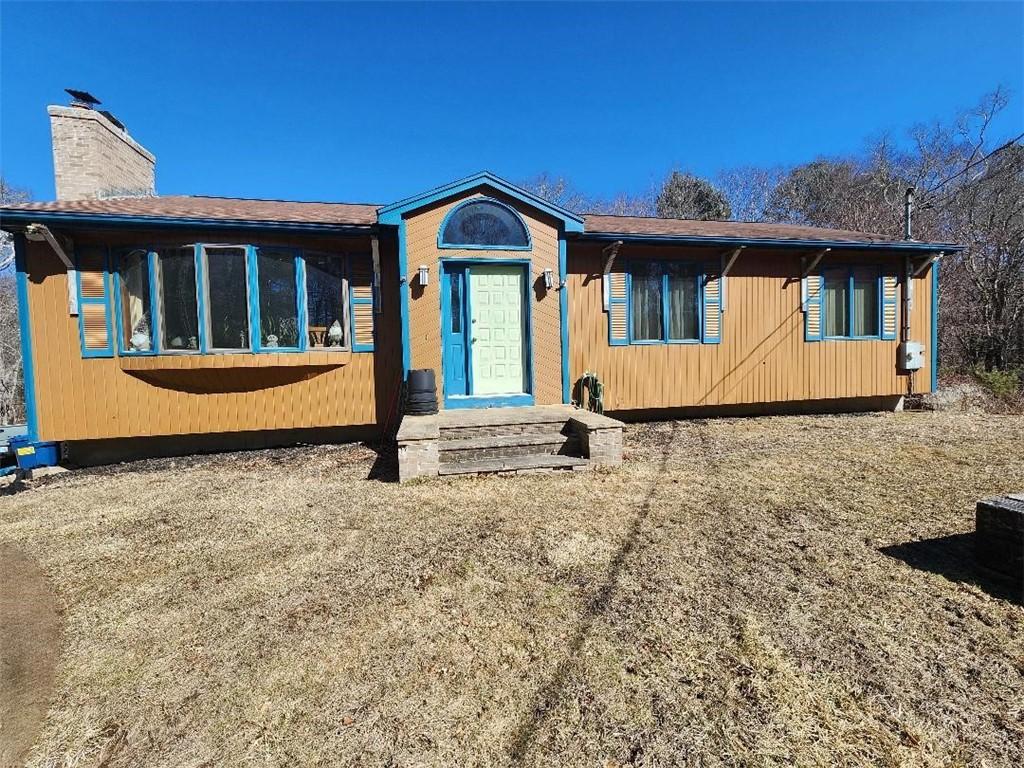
(392, 214)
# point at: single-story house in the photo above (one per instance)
(177, 323)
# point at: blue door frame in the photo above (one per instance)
(456, 353)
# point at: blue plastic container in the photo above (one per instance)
(33, 455)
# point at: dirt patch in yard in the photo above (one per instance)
(29, 649)
(741, 592)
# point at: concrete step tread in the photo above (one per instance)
(501, 441)
(496, 417)
(511, 464)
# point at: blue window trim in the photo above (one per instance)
(104, 302)
(478, 246)
(154, 328)
(935, 326)
(563, 313)
(113, 305)
(491, 401)
(201, 313)
(255, 315)
(850, 269)
(203, 288)
(701, 275)
(25, 332)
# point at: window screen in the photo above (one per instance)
(278, 298)
(227, 298)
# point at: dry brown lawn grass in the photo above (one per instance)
(740, 593)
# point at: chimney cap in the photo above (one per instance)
(83, 98)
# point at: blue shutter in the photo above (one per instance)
(360, 302)
(812, 291)
(890, 310)
(618, 309)
(95, 331)
(711, 332)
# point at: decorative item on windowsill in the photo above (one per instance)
(335, 335)
(271, 341)
(140, 337)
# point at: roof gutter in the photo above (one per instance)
(23, 217)
(768, 242)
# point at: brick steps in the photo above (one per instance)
(505, 445)
(514, 464)
(506, 441)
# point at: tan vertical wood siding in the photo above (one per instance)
(421, 228)
(94, 398)
(762, 357)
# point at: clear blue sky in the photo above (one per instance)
(370, 103)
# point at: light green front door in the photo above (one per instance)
(496, 327)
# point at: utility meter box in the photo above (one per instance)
(910, 355)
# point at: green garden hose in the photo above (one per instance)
(595, 392)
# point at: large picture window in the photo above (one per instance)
(227, 298)
(664, 302)
(278, 298)
(211, 298)
(136, 330)
(851, 303)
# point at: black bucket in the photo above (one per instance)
(421, 393)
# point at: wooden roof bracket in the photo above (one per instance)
(610, 251)
(729, 258)
(808, 263)
(920, 267)
(375, 254)
(40, 233)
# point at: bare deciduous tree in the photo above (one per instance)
(967, 191)
(561, 192)
(685, 196)
(12, 408)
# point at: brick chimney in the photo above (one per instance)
(94, 157)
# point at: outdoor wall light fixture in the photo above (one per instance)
(549, 280)
(424, 274)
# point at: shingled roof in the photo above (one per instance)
(214, 209)
(643, 225)
(255, 212)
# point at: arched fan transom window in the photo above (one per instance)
(484, 223)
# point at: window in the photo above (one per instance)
(227, 297)
(179, 317)
(851, 303)
(683, 308)
(135, 302)
(646, 295)
(325, 301)
(210, 298)
(865, 302)
(278, 298)
(484, 224)
(665, 302)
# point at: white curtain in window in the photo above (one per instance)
(682, 303)
(865, 303)
(837, 304)
(646, 300)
